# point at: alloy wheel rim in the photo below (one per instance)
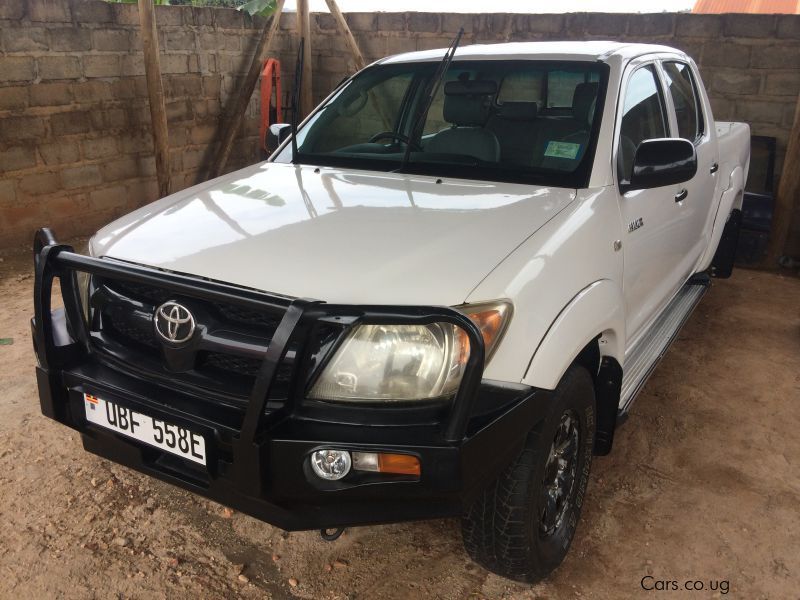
(559, 474)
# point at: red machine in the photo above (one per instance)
(271, 110)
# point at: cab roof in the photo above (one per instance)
(579, 51)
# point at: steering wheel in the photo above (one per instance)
(395, 136)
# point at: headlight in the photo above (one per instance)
(400, 363)
(396, 363)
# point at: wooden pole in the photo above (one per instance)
(348, 35)
(155, 90)
(245, 92)
(358, 58)
(304, 33)
(788, 194)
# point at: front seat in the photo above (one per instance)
(574, 131)
(468, 114)
(584, 99)
(515, 125)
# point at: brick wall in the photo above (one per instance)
(75, 148)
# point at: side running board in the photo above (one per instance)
(651, 348)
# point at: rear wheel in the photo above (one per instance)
(522, 525)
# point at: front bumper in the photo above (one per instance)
(257, 461)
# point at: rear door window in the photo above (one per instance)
(683, 91)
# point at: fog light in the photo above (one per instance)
(331, 464)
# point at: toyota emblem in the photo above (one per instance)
(174, 323)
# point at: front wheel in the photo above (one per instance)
(522, 525)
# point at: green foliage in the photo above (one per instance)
(240, 4)
(259, 7)
(216, 3)
(156, 2)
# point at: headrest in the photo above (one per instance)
(467, 110)
(583, 101)
(465, 87)
(518, 111)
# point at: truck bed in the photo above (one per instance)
(734, 146)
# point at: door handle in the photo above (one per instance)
(681, 195)
(714, 168)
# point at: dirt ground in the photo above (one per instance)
(703, 485)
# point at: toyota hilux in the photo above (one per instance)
(438, 297)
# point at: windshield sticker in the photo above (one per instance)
(562, 150)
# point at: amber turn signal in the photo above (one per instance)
(490, 323)
(491, 319)
(400, 464)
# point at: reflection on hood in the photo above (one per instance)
(336, 235)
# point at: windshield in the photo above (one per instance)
(522, 121)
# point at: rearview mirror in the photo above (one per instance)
(276, 134)
(662, 161)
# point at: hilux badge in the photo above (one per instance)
(634, 225)
(174, 323)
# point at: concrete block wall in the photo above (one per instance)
(75, 141)
(75, 148)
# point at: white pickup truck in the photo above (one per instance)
(438, 298)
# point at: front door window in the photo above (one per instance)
(642, 117)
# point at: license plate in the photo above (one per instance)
(151, 431)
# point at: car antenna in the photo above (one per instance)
(298, 83)
(436, 81)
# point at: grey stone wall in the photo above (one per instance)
(75, 147)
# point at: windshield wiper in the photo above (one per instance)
(298, 82)
(436, 81)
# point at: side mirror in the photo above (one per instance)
(662, 161)
(276, 134)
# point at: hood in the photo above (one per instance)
(336, 235)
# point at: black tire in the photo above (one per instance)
(510, 529)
